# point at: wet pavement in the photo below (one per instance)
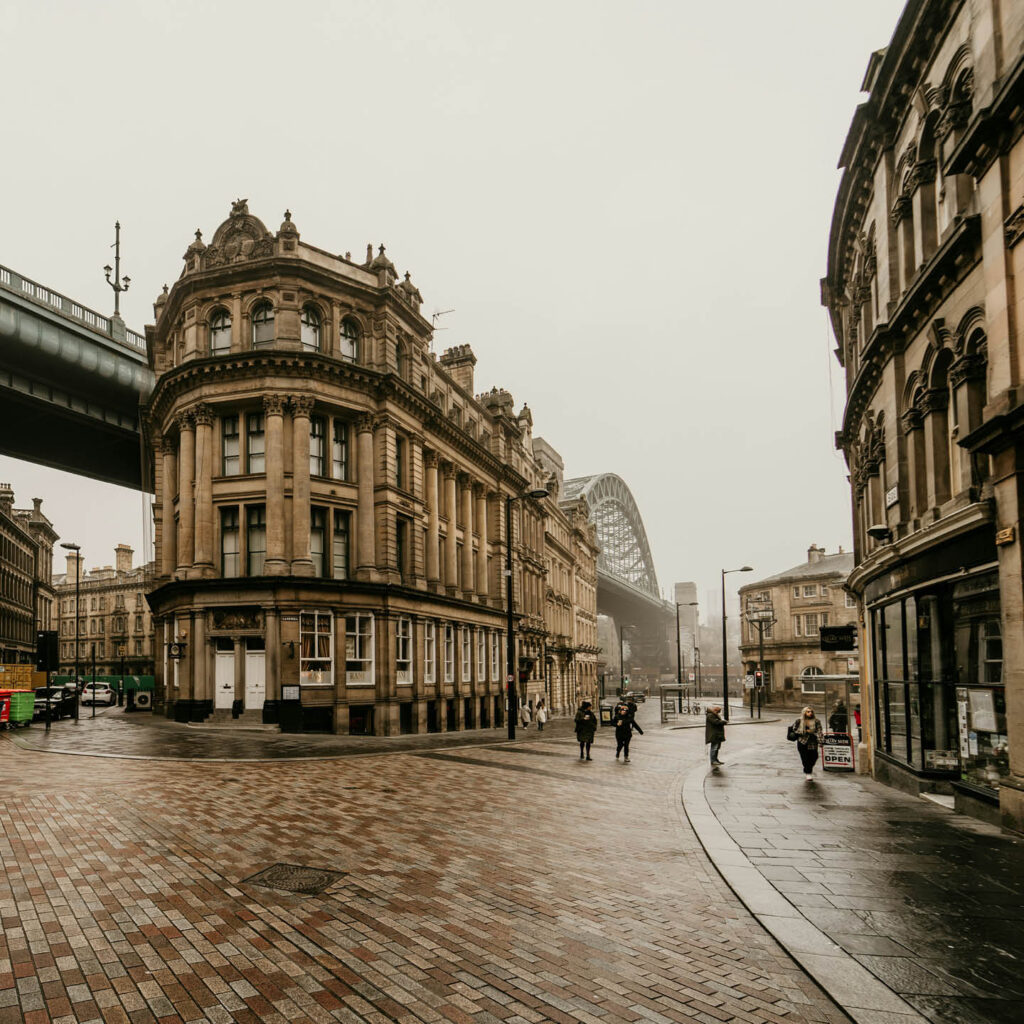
(929, 902)
(493, 882)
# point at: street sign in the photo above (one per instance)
(838, 638)
(509, 679)
(837, 752)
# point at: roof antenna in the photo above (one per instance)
(433, 323)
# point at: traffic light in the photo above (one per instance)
(46, 650)
(758, 678)
(524, 675)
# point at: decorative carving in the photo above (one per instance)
(237, 618)
(184, 420)
(970, 367)
(301, 405)
(202, 415)
(922, 174)
(430, 459)
(1014, 227)
(274, 405)
(242, 236)
(364, 423)
(900, 209)
(168, 445)
(911, 420)
(935, 400)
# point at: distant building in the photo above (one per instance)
(687, 615)
(26, 594)
(114, 625)
(802, 600)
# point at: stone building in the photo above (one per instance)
(26, 594)
(115, 625)
(924, 265)
(801, 600)
(330, 499)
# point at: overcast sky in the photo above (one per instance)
(626, 204)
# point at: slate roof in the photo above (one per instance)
(827, 565)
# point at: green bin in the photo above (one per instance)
(23, 704)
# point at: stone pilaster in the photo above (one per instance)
(186, 499)
(451, 569)
(482, 548)
(168, 532)
(467, 536)
(275, 563)
(202, 415)
(366, 559)
(302, 563)
(433, 531)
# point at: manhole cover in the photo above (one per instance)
(295, 878)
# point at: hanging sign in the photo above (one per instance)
(837, 752)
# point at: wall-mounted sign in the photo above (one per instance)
(892, 496)
(289, 692)
(838, 638)
(1006, 536)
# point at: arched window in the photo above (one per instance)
(349, 340)
(809, 681)
(263, 325)
(220, 332)
(310, 329)
(402, 359)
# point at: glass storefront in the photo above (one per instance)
(939, 699)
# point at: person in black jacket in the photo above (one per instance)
(624, 723)
(586, 726)
(714, 732)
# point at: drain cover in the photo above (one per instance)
(296, 878)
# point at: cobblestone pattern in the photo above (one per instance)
(932, 903)
(511, 884)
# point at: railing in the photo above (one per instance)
(14, 282)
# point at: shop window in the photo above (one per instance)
(220, 333)
(310, 332)
(229, 543)
(255, 539)
(229, 446)
(255, 443)
(449, 653)
(359, 650)
(429, 652)
(403, 651)
(263, 325)
(340, 545)
(339, 451)
(348, 347)
(317, 538)
(317, 446)
(316, 649)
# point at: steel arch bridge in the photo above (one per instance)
(625, 560)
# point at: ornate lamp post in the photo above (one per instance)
(116, 282)
(725, 645)
(510, 651)
(78, 576)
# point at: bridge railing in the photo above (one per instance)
(43, 296)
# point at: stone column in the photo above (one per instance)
(451, 574)
(275, 563)
(433, 533)
(936, 428)
(168, 532)
(467, 536)
(237, 333)
(481, 551)
(186, 501)
(366, 559)
(273, 655)
(912, 427)
(302, 564)
(202, 415)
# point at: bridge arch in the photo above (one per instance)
(625, 552)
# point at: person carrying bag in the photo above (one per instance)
(806, 731)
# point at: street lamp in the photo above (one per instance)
(761, 615)
(679, 649)
(622, 672)
(78, 575)
(725, 646)
(513, 693)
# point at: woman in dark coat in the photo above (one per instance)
(714, 732)
(586, 726)
(624, 723)
(808, 736)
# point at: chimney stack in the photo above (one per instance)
(815, 554)
(123, 555)
(74, 563)
(459, 362)
(6, 499)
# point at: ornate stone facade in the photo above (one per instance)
(330, 499)
(923, 292)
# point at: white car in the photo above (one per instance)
(99, 693)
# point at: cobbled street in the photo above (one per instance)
(491, 883)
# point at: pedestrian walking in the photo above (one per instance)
(839, 720)
(542, 714)
(714, 732)
(586, 726)
(524, 714)
(807, 732)
(625, 722)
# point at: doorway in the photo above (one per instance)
(224, 680)
(255, 677)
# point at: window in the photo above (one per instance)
(796, 626)
(339, 545)
(349, 340)
(810, 625)
(429, 652)
(481, 655)
(810, 590)
(229, 547)
(317, 443)
(400, 455)
(317, 538)
(495, 657)
(310, 333)
(255, 538)
(255, 444)
(809, 683)
(449, 653)
(402, 546)
(263, 325)
(403, 651)
(851, 601)
(138, 623)
(359, 650)
(229, 445)
(339, 451)
(467, 654)
(316, 655)
(824, 590)
(138, 646)
(220, 333)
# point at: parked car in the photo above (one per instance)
(59, 699)
(638, 695)
(99, 693)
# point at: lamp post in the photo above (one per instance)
(725, 645)
(760, 613)
(78, 575)
(510, 651)
(679, 649)
(622, 673)
(696, 665)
